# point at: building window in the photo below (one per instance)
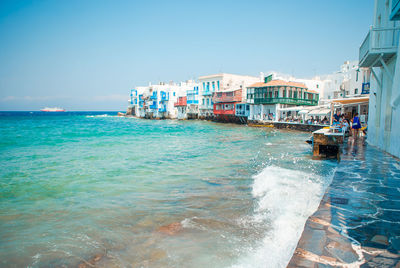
(290, 93)
(213, 85)
(208, 86)
(218, 85)
(276, 94)
(356, 91)
(284, 93)
(203, 101)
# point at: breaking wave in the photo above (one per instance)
(285, 199)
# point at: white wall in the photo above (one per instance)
(384, 119)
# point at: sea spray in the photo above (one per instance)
(285, 199)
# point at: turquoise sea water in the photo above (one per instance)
(79, 188)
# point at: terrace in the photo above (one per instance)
(182, 101)
(379, 45)
(231, 96)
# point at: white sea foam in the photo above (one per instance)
(286, 198)
(101, 115)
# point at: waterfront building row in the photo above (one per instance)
(224, 97)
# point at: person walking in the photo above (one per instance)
(356, 125)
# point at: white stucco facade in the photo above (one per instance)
(221, 82)
(384, 108)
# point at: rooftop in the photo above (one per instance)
(280, 83)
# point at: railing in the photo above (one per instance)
(164, 96)
(182, 101)
(206, 93)
(242, 113)
(395, 10)
(192, 92)
(224, 98)
(192, 101)
(154, 96)
(379, 40)
(205, 106)
(293, 101)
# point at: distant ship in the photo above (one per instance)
(55, 109)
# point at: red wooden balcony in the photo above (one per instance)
(182, 101)
(224, 108)
(229, 96)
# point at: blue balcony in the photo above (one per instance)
(192, 101)
(380, 43)
(164, 96)
(206, 93)
(154, 95)
(395, 14)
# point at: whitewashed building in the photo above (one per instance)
(158, 101)
(379, 52)
(222, 82)
(270, 100)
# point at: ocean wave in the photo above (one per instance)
(285, 199)
(101, 115)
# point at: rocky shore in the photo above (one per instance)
(358, 221)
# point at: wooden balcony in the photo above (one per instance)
(224, 108)
(182, 101)
(379, 42)
(292, 101)
(230, 96)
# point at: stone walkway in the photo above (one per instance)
(358, 221)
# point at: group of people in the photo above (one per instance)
(345, 125)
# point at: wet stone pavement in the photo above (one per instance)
(358, 221)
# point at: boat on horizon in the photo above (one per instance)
(55, 109)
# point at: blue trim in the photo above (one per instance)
(154, 96)
(395, 15)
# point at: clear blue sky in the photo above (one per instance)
(86, 55)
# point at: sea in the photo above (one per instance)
(95, 189)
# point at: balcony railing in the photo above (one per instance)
(154, 96)
(192, 101)
(205, 107)
(192, 92)
(182, 101)
(242, 113)
(235, 96)
(395, 15)
(164, 96)
(293, 101)
(379, 41)
(206, 93)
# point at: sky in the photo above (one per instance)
(87, 55)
